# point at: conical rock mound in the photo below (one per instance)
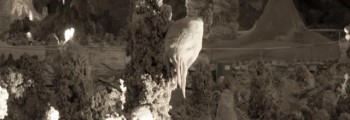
(280, 24)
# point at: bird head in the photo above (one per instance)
(346, 76)
(68, 35)
(346, 30)
(29, 35)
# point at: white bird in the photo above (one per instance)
(346, 30)
(68, 35)
(183, 42)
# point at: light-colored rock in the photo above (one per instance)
(225, 24)
(321, 115)
(225, 109)
(203, 9)
(52, 114)
(5, 16)
(329, 101)
(142, 113)
(3, 102)
(344, 116)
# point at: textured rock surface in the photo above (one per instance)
(315, 13)
(178, 8)
(142, 113)
(226, 107)
(225, 24)
(203, 9)
(220, 16)
(250, 11)
(344, 116)
(147, 79)
(3, 102)
(5, 15)
(96, 22)
(324, 13)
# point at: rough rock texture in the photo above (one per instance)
(5, 15)
(4, 95)
(91, 19)
(344, 47)
(344, 116)
(75, 94)
(28, 98)
(146, 77)
(225, 24)
(24, 8)
(220, 16)
(142, 113)
(226, 107)
(12, 10)
(250, 11)
(52, 114)
(315, 13)
(276, 28)
(107, 101)
(274, 24)
(265, 99)
(297, 99)
(324, 13)
(73, 84)
(203, 98)
(178, 8)
(203, 9)
(321, 115)
(112, 14)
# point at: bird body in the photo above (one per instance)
(183, 43)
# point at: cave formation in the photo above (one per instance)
(112, 66)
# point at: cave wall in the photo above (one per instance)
(219, 16)
(111, 13)
(333, 14)
(249, 12)
(178, 8)
(225, 24)
(324, 13)
(95, 22)
(5, 15)
(203, 9)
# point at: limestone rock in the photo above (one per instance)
(225, 24)
(344, 116)
(3, 102)
(225, 109)
(321, 115)
(5, 15)
(142, 113)
(329, 101)
(204, 9)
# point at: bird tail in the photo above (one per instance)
(181, 80)
(178, 74)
